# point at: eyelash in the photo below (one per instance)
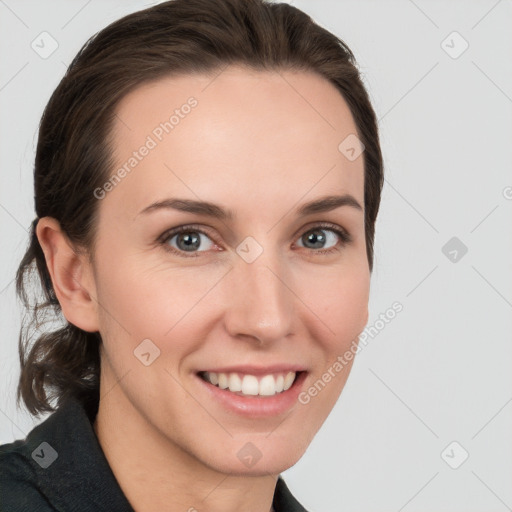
(163, 240)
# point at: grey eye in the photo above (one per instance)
(188, 241)
(317, 238)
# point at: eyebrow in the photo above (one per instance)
(321, 205)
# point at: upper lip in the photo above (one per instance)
(257, 370)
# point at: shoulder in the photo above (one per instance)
(59, 466)
(19, 491)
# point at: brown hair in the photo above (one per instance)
(74, 152)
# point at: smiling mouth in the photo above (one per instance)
(251, 385)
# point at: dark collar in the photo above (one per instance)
(77, 475)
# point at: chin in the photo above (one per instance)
(256, 455)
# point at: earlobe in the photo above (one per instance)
(71, 275)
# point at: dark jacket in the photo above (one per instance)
(60, 466)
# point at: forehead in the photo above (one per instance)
(233, 134)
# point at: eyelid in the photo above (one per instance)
(343, 233)
(187, 227)
(172, 232)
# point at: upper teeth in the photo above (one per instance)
(266, 385)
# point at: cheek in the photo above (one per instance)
(340, 300)
(340, 304)
(159, 302)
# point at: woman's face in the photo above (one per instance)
(251, 294)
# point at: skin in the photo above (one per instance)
(260, 143)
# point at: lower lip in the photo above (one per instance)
(256, 406)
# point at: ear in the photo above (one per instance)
(71, 274)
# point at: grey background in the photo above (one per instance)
(440, 371)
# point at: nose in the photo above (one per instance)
(259, 301)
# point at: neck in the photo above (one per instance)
(156, 474)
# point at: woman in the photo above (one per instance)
(207, 180)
